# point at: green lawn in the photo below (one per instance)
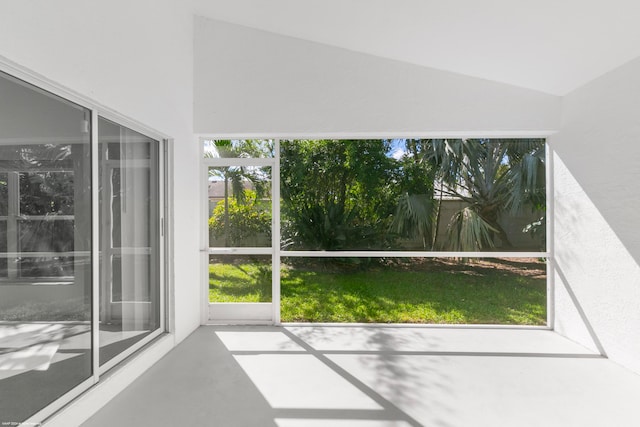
(490, 292)
(242, 281)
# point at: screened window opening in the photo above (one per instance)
(379, 230)
(465, 195)
(507, 291)
(240, 278)
(239, 206)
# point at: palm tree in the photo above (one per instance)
(494, 177)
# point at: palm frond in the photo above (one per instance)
(468, 231)
(414, 216)
(526, 179)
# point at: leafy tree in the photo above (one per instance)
(416, 210)
(342, 194)
(336, 194)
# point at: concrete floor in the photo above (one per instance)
(341, 376)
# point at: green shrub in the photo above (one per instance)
(248, 222)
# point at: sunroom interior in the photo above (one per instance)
(121, 95)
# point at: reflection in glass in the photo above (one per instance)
(4, 195)
(413, 195)
(3, 248)
(46, 193)
(139, 265)
(45, 243)
(239, 206)
(4, 206)
(240, 278)
(46, 235)
(129, 239)
(49, 267)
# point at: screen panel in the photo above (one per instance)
(464, 195)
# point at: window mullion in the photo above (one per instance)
(95, 249)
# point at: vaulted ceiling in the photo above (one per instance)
(553, 46)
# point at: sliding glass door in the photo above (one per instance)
(129, 237)
(81, 247)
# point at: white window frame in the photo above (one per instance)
(277, 253)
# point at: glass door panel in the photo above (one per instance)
(129, 242)
(45, 249)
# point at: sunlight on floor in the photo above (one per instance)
(257, 341)
(307, 379)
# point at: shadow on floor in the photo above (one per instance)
(354, 376)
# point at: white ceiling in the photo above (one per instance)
(554, 46)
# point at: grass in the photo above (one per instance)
(244, 281)
(425, 291)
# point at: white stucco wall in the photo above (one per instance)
(135, 58)
(249, 81)
(597, 208)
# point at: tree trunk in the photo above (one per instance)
(490, 214)
(436, 226)
(226, 211)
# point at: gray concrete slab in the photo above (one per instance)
(339, 376)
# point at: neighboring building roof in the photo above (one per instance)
(216, 189)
